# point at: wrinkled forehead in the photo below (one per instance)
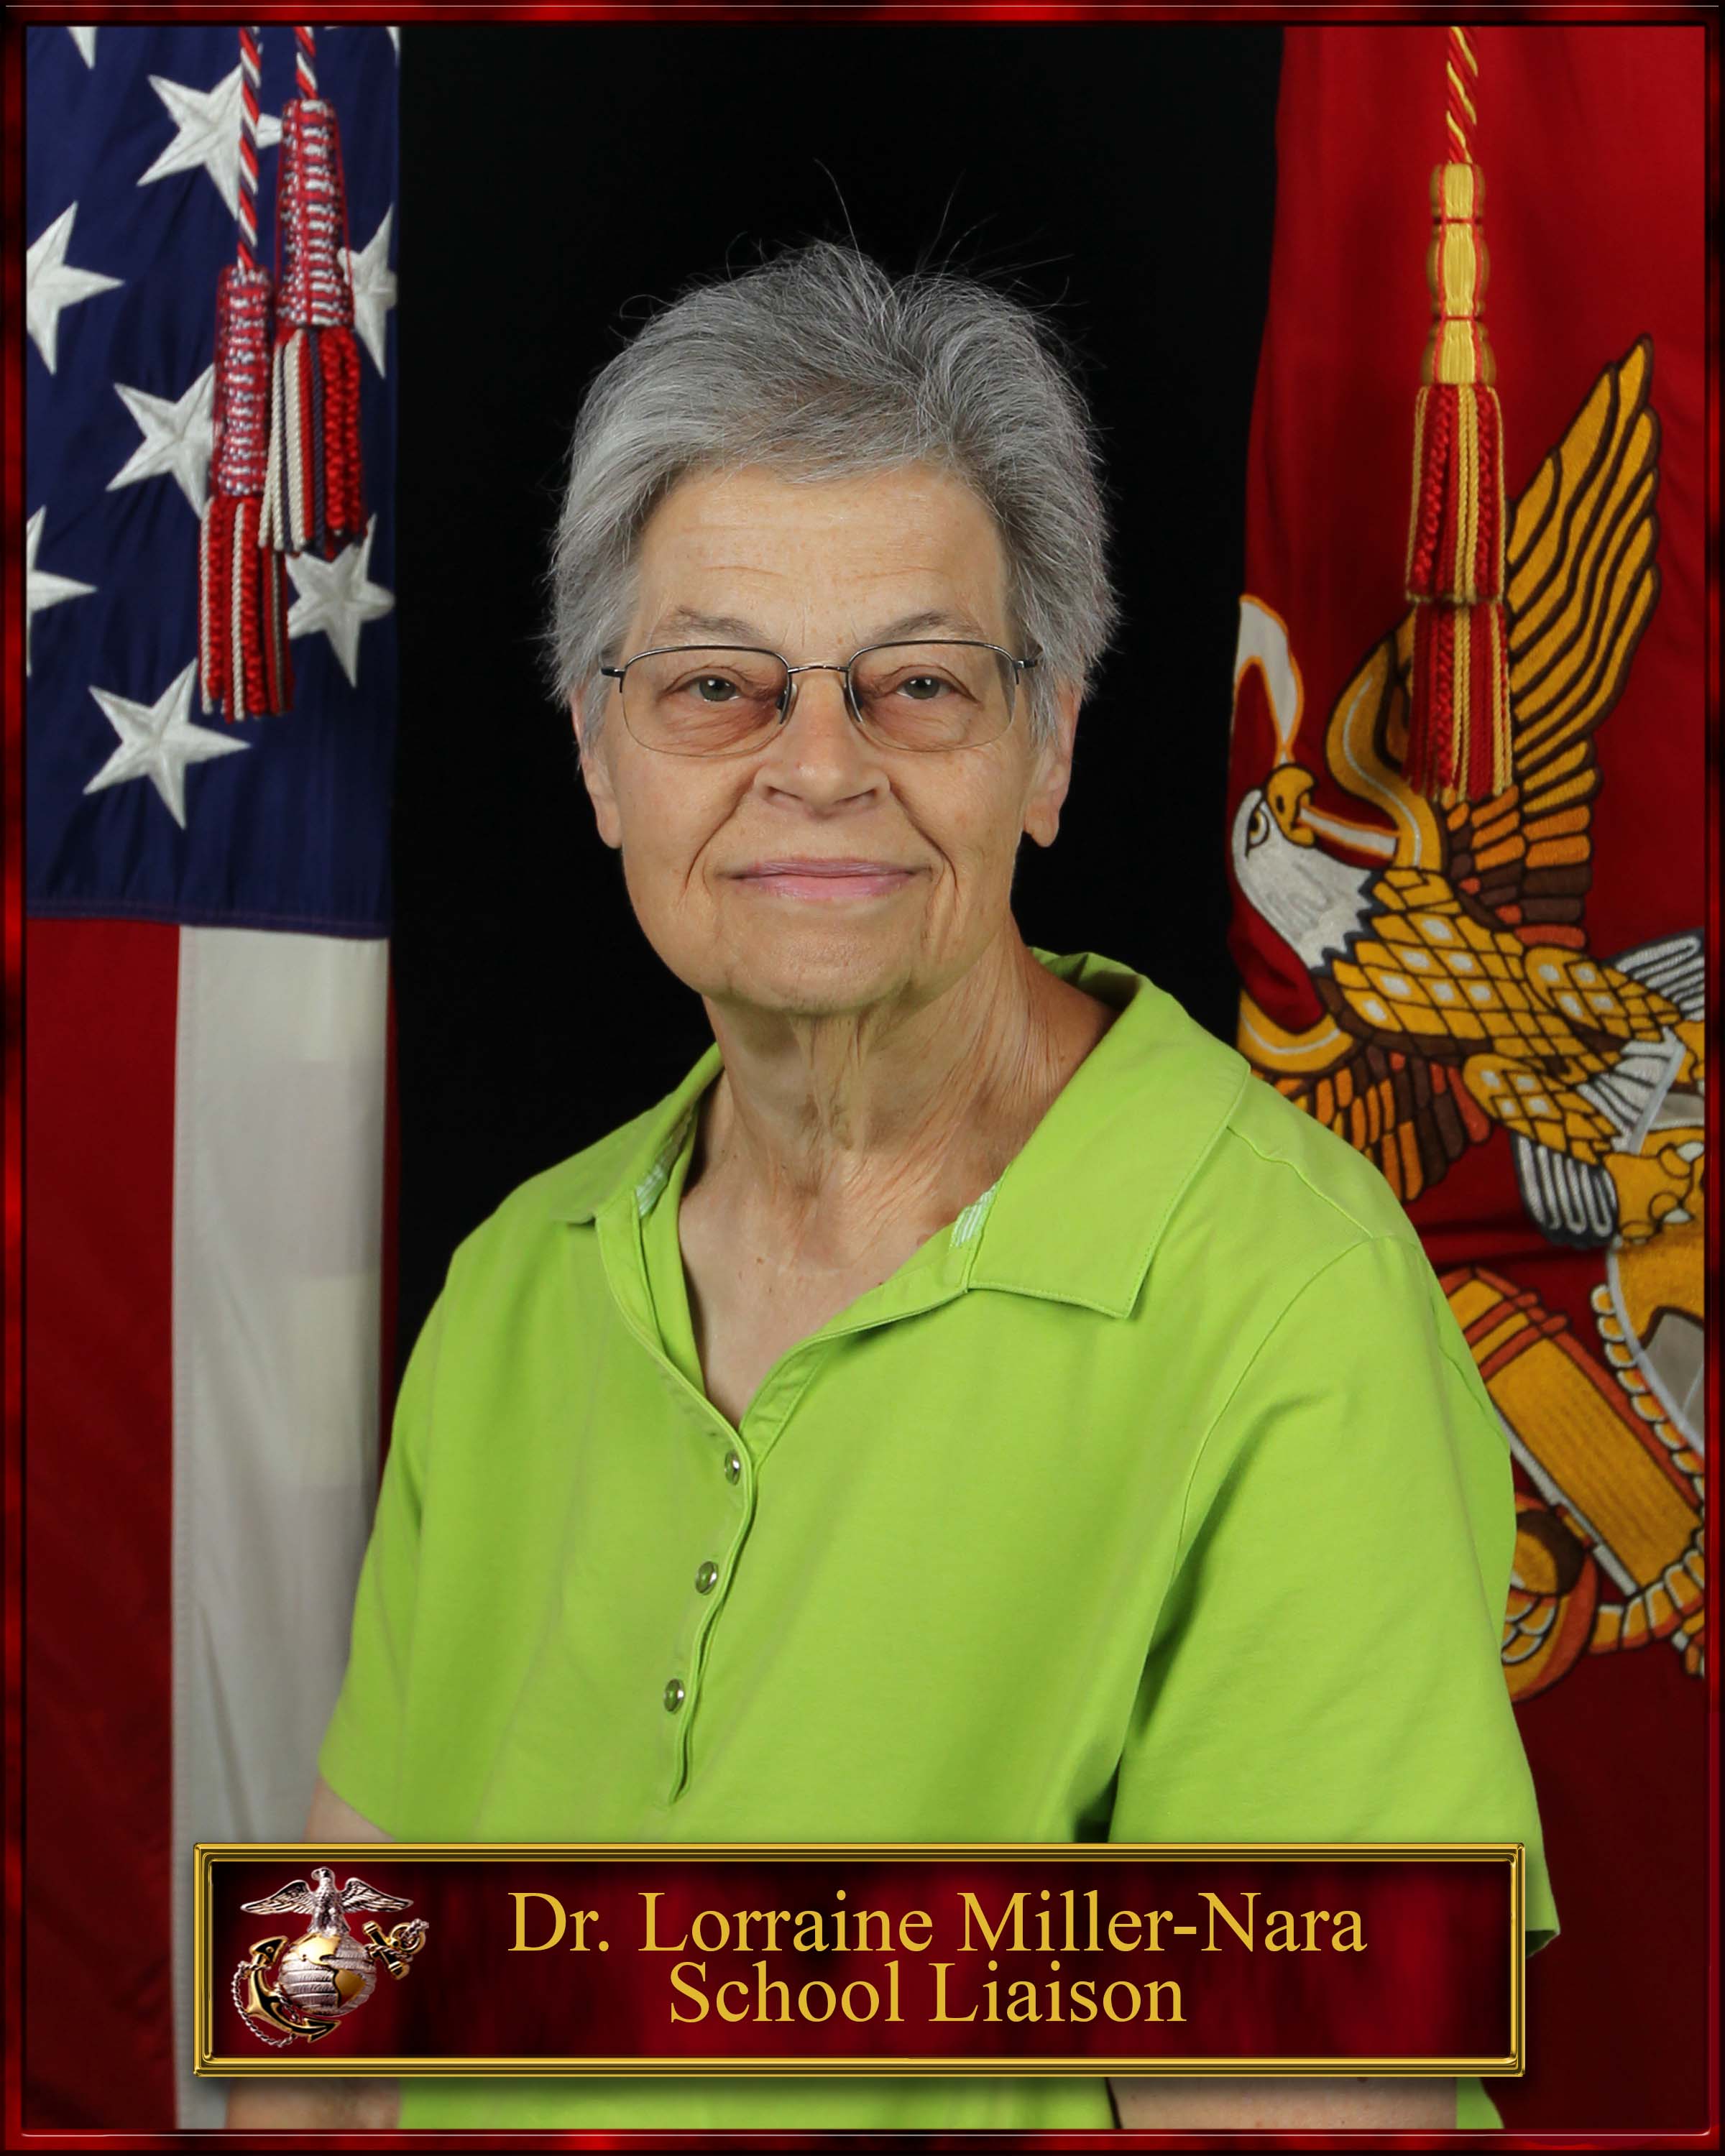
(755, 556)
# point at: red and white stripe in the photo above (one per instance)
(206, 1308)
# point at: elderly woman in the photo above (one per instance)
(970, 1406)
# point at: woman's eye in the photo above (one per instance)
(714, 681)
(922, 680)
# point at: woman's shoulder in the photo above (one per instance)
(1288, 1161)
(1275, 1198)
(1252, 1152)
(572, 1192)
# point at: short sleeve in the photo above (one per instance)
(360, 1756)
(1326, 1666)
(1326, 1663)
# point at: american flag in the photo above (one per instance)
(207, 1067)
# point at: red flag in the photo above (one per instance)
(1501, 1002)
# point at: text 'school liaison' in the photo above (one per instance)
(971, 1406)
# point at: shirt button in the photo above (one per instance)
(673, 1695)
(706, 1579)
(733, 1465)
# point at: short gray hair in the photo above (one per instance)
(817, 364)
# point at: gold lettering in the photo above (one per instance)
(922, 1918)
(770, 1918)
(1242, 1933)
(939, 2012)
(521, 1898)
(861, 1921)
(649, 1942)
(709, 1930)
(1013, 1919)
(764, 1985)
(1123, 1928)
(688, 1990)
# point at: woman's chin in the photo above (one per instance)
(810, 975)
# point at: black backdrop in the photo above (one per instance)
(558, 179)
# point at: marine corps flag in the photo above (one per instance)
(1495, 990)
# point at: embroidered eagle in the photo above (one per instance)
(1447, 947)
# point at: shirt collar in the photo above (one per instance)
(1076, 1217)
(635, 1157)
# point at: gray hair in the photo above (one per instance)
(818, 365)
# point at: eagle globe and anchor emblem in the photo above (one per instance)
(308, 1986)
(1455, 998)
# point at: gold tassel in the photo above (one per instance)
(1459, 722)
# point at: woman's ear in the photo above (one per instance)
(1052, 772)
(596, 774)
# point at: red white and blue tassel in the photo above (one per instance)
(313, 498)
(244, 665)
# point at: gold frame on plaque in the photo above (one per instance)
(207, 1854)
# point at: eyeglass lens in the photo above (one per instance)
(717, 699)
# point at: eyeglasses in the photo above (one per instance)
(729, 700)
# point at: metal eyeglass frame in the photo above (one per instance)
(1020, 667)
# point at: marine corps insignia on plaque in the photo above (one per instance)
(306, 1987)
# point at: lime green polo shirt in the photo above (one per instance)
(1156, 1497)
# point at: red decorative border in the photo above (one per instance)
(12, 126)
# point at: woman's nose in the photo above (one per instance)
(823, 686)
(818, 745)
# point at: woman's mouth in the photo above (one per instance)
(825, 880)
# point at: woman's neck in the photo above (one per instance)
(827, 1136)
